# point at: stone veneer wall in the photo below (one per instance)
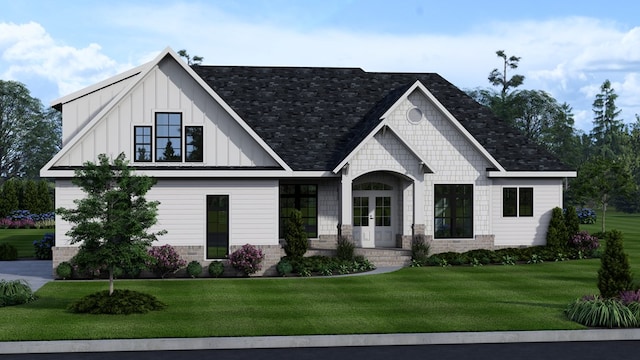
(272, 255)
(461, 245)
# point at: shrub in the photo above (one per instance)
(194, 269)
(8, 252)
(571, 220)
(631, 296)
(345, 249)
(614, 275)
(44, 245)
(296, 241)
(216, 268)
(165, 260)
(586, 216)
(64, 270)
(284, 267)
(599, 312)
(121, 302)
(247, 259)
(15, 292)
(557, 236)
(583, 241)
(419, 249)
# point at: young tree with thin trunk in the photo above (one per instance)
(111, 223)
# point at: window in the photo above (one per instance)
(142, 143)
(453, 211)
(193, 143)
(217, 226)
(517, 202)
(301, 197)
(168, 137)
(361, 211)
(372, 186)
(383, 211)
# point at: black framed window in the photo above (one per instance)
(193, 144)
(142, 143)
(517, 202)
(168, 137)
(217, 226)
(303, 197)
(453, 211)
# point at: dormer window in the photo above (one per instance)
(168, 137)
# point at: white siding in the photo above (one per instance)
(518, 231)
(253, 210)
(328, 207)
(167, 88)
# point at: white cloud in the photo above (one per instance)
(30, 51)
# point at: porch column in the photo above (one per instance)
(418, 208)
(346, 211)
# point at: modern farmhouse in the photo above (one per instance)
(375, 157)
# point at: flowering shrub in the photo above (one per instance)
(586, 216)
(630, 296)
(44, 245)
(247, 259)
(23, 219)
(165, 260)
(584, 242)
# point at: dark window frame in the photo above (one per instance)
(169, 128)
(301, 193)
(517, 201)
(193, 147)
(215, 204)
(146, 142)
(449, 223)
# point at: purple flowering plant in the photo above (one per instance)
(584, 241)
(165, 260)
(247, 259)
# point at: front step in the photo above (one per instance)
(378, 257)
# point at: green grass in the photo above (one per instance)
(431, 299)
(23, 239)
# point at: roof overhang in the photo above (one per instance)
(532, 174)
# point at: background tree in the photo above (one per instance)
(111, 223)
(29, 134)
(30, 197)
(45, 198)
(9, 200)
(609, 132)
(195, 60)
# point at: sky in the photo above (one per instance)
(567, 48)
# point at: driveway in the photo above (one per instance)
(35, 272)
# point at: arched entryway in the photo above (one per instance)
(378, 200)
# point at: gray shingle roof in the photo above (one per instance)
(313, 117)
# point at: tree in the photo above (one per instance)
(45, 201)
(614, 275)
(571, 221)
(599, 179)
(9, 199)
(609, 132)
(557, 235)
(30, 197)
(195, 60)
(499, 78)
(29, 134)
(111, 223)
(296, 242)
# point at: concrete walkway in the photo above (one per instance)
(35, 272)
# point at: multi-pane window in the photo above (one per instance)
(361, 211)
(517, 202)
(383, 211)
(193, 143)
(168, 137)
(303, 197)
(142, 143)
(217, 226)
(453, 211)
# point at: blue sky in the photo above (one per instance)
(567, 48)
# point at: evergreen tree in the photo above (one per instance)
(296, 241)
(9, 200)
(111, 223)
(572, 222)
(614, 275)
(45, 200)
(30, 197)
(557, 235)
(609, 132)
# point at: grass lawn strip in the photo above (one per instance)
(23, 239)
(430, 299)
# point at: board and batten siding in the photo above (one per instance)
(525, 231)
(166, 88)
(253, 210)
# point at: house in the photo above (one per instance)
(374, 157)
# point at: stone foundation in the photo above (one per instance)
(324, 242)
(460, 245)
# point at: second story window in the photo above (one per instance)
(168, 137)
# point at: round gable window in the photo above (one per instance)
(414, 115)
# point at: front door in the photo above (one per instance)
(372, 220)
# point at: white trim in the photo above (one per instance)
(190, 172)
(144, 71)
(532, 174)
(360, 145)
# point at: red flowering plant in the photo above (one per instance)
(247, 259)
(165, 260)
(585, 242)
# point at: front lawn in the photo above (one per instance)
(429, 299)
(23, 239)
